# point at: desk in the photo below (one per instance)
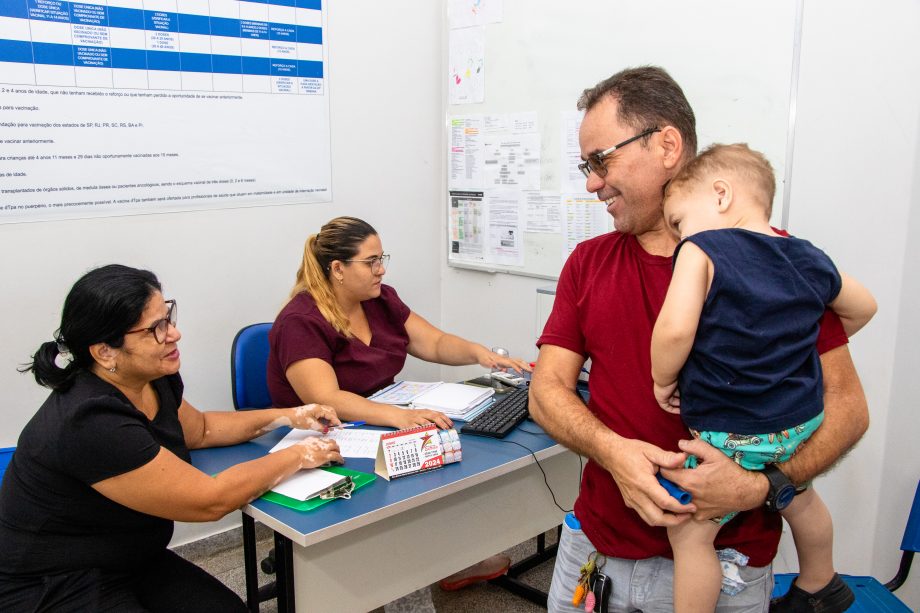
(395, 537)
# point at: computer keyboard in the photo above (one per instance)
(500, 418)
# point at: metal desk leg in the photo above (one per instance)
(284, 573)
(514, 585)
(249, 564)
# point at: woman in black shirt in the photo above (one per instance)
(103, 469)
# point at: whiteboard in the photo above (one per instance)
(736, 62)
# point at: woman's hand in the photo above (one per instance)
(401, 418)
(490, 359)
(319, 417)
(316, 452)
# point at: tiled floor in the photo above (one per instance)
(222, 556)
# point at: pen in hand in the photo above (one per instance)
(351, 424)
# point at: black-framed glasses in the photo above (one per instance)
(376, 263)
(595, 161)
(160, 327)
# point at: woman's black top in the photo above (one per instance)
(51, 520)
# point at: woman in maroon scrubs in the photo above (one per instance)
(343, 335)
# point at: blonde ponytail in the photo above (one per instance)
(339, 239)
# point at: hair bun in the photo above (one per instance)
(64, 358)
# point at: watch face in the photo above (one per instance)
(783, 497)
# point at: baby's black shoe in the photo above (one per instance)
(835, 597)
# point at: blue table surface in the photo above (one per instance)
(480, 455)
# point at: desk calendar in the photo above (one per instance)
(415, 450)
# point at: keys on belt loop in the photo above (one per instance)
(586, 577)
(597, 598)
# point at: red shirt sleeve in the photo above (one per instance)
(562, 328)
(831, 334)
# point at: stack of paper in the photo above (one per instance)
(476, 411)
(453, 399)
(402, 392)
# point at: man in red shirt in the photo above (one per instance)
(638, 131)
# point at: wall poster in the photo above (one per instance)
(113, 107)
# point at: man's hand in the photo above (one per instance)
(633, 465)
(718, 485)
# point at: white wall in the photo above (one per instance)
(854, 189)
(228, 268)
(855, 186)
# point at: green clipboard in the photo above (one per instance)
(360, 480)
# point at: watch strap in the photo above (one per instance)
(781, 489)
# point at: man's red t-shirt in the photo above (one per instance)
(607, 301)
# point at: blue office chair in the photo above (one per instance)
(6, 454)
(871, 595)
(248, 362)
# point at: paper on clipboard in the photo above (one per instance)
(307, 484)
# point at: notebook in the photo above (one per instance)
(402, 392)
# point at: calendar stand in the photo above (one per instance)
(416, 450)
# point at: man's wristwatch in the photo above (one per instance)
(781, 491)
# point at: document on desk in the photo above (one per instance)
(353, 442)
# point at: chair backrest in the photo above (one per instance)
(6, 454)
(911, 541)
(248, 361)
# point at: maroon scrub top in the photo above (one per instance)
(300, 332)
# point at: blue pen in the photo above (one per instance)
(351, 424)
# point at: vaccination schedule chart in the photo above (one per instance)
(258, 46)
(122, 107)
